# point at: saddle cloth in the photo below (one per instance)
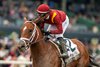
(71, 49)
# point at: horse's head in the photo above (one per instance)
(29, 34)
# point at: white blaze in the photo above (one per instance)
(24, 28)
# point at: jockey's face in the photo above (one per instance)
(43, 16)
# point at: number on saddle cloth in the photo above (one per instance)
(70, 46)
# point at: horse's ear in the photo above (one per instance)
(25, 19)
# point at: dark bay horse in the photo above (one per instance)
(44, 53)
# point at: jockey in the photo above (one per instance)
(58, 22)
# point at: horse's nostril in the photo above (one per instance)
(20, 49)
(22, 46)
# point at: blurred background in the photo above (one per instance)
(84, 24)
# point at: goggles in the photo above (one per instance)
(42, 14)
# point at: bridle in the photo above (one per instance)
(32, 38)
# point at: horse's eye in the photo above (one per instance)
(30, 31)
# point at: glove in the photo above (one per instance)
(47, 33)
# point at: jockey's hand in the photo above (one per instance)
(47, 33)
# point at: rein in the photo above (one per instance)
(38, 41)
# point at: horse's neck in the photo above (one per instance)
(43, 54)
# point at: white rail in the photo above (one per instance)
(14, 62)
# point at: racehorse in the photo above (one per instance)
(43, 52)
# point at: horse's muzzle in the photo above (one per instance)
(22, 46)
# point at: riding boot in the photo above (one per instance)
(63, 46)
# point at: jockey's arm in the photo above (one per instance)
(59, 29)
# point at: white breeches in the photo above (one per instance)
(64, 25)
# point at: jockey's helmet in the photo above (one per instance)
(43, 8)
